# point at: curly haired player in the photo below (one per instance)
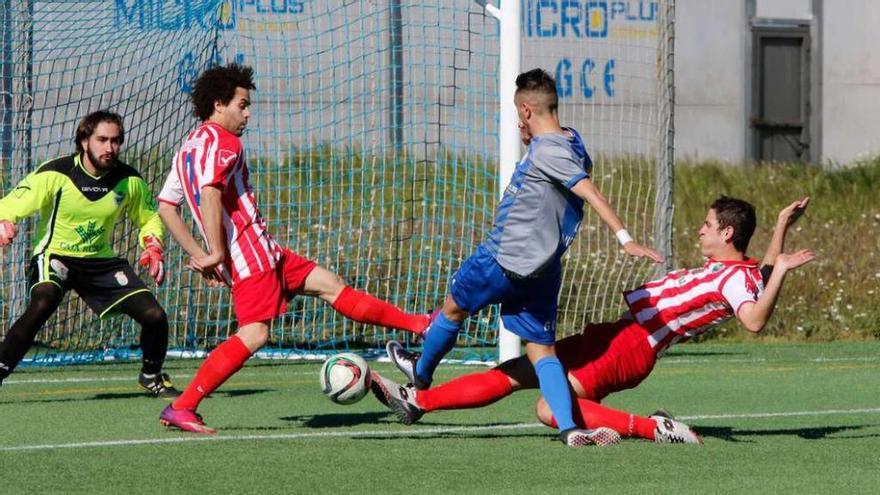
(210, 174)
(609, 357)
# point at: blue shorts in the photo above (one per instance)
(528, 305)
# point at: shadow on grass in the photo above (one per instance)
(325, 421)
(240, 392)
(730, 434)
(339, 420)
(135, 395)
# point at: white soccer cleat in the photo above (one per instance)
(671, 431)
(577, 437)
(401, 399)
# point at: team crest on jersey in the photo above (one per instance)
(716, 267)
(118, 197)
(59, 269)
(226, 157)
(121, 279)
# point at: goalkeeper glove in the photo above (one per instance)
(7, 232)
(152, 257)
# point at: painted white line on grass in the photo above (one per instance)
(780, 414)
(133, 377)
(674, 360)
(393, 433)
(458, 364)
(278, 436)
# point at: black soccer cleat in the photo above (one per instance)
(158, 385)
(378, 389)
(405, 362)
(4, 373)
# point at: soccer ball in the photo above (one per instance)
(345, 378)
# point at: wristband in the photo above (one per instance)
(623, 237)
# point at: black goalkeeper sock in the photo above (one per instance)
(45, 299)
(145, 309)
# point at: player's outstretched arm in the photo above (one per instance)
(28, 196)
(787, 217)
(587, 190)
(755, 315)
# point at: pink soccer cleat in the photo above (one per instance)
(185, 420)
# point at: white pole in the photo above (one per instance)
(509, 345)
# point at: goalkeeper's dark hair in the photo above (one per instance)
(740, 215)
(219, 83)
(89, 123)
(539, 81)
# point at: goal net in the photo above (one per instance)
(372, 146)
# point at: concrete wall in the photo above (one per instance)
(784, 9)
(713, 76)
(710, 81)
(850, 80)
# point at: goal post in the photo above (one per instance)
(508, 16)
(382, 135)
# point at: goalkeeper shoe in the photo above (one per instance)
(405, 362)
(399, 398)
(158, 385)
(185, 420)
(671, 431)
(602, 436)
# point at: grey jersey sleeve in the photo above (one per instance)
(559, 164)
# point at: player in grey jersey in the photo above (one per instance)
(519, 265)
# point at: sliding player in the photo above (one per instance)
(210, 174)
(80, 197)
(610, 357)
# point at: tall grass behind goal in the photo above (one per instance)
(372, 148)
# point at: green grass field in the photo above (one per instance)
(776, 418)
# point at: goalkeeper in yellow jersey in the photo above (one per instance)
(80, 197)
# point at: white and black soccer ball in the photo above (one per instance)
(345, 378)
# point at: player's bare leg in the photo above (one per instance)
(360, 306)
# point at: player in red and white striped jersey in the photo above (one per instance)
(210, 175)
(686, 303)
(610, 357)
(213, 156)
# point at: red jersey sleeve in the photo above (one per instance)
(222, 158)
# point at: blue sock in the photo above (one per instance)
(554, 388)
(439, 339)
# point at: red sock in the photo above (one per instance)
(474, 390)
(364, 308)
(593, 415)
(222, 363)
